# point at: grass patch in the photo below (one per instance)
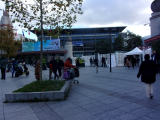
(47, 85)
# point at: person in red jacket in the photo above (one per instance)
(68, 64)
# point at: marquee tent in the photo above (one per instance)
(135, 51)
(148, 51)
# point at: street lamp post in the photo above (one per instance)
(110, 49)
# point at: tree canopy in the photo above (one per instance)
(132, 41)
(156, 46)
(57, 14)
(103, 46)
(7, 42)
(118, 44)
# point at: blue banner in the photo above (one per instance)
(77, 43)
(47, 45)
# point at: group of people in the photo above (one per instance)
(6, 65)
(95, 62)
(54, 65)
(128, 61)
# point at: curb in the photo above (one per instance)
(50, 95)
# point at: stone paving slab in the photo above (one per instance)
(118, 95)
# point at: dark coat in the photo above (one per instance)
(77, 62)
(147, 71)
(54, 64)
(156, 56)
(60, 63)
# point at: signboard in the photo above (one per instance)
(27, 46)
(51, 44)
(77, 43)
(48, 45)
(37, 46)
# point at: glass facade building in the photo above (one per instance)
(84, 39)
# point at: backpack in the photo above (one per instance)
(65, 74)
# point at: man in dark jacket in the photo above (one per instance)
(155, 57)
(77, 63)
(54, 67)
(103, 60)
(147, 71)
(3, 68)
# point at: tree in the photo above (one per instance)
(118, 44)
(132, 41)
(156, 46)
(44, 13)
(103, 46)
(7, 42)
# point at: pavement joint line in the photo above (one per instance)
(117, 79)
(114, 95)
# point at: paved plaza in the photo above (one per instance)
(118, 95)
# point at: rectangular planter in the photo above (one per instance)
(50, 95)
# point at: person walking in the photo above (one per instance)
(106, 61)
(14, 63)
(31, 62)
(155, 57)
(37, 69)
(9, 65)
(54, 67)
(148, 71)
(133, 62)
(50, 68)
(3, 68)
(77, 63)
(91, 62)
(103, 60)
(128, 62)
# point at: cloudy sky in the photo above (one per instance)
(105, 13)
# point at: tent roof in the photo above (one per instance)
(135, 51)
(148, 51)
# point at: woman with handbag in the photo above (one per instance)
(128, 62)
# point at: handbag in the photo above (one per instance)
(65, 74)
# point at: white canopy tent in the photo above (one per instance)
(135, 51)
(148, 51)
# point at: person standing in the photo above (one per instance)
(60, 65)
(77, 63)
(54, 67)
(50, 68)
(3, 68)
(106, 61)
(91, 62)
(133, 62)
(148, 71)
(103, 60)
(31, 62)
(9, 65)
(37, 69)
(155, 57)
(128, 62)
(14, 63)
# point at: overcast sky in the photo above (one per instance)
(105, 13)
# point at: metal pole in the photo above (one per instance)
(41, 53)
(110, 50)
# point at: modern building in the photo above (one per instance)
(84, 39)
